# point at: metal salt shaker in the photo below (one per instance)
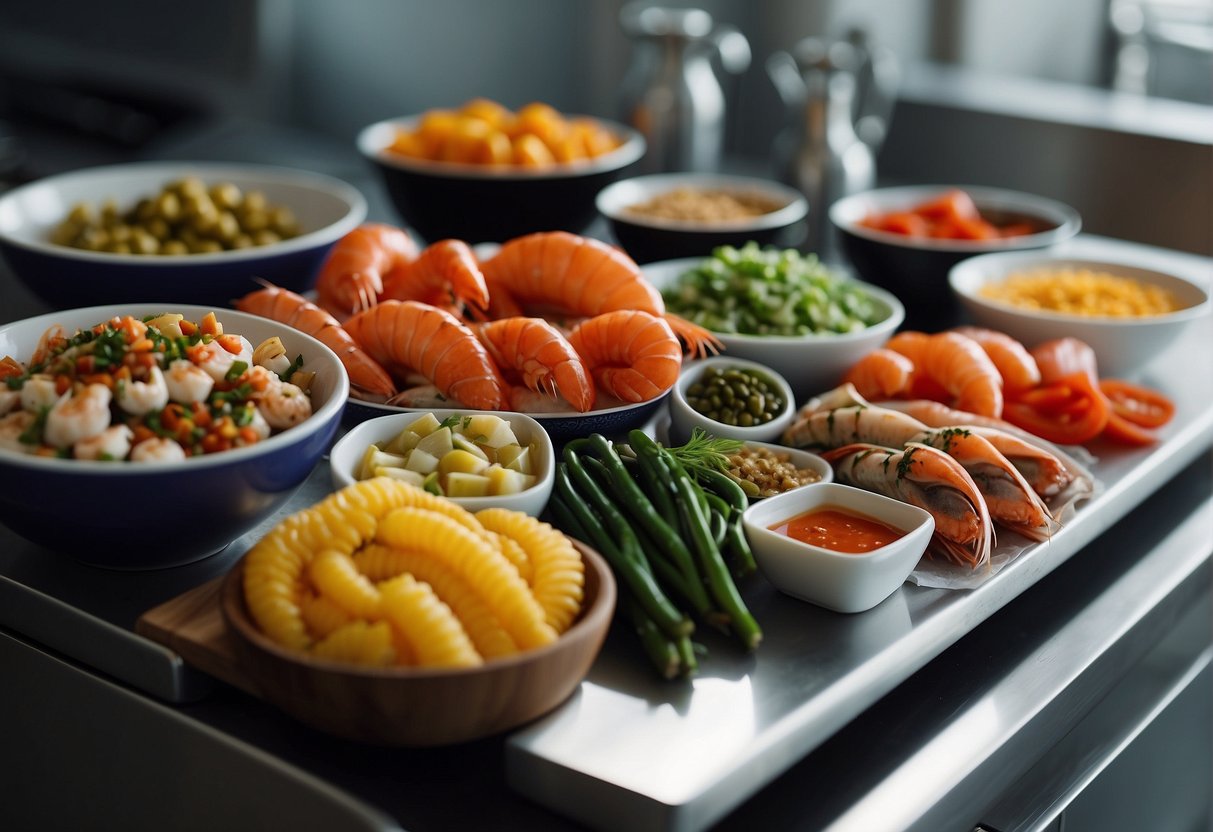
(671, 92)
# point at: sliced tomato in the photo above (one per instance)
(950, 205)
(900, 222)
(1065, 420)
(1120, 429)
(1137, 404)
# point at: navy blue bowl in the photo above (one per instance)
(126, 515)
(482, 204)
(66, 278)
(651, 239)
(916, 270)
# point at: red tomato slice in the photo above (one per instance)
(950, 205)
(1137, 404)
(1080, 419)
(1064, 356)
(1120, 429)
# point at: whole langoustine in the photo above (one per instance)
(581, 277)
(930, 479)
(541, 354)
(368, 379)
(407, 335)
(1009, 497)
(634, 355)
(445, 274)
(352, 275)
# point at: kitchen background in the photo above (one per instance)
(1103, 104)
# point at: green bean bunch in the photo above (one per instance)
(676, 546)
(756, 291)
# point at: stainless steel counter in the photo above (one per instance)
(922, 713)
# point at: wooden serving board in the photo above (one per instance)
(192, 625)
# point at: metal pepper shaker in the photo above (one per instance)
(671, 92)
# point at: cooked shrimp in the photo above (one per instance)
(634, 355)
(187, 382)
(578, 276)
(407, 335)
(139, 397)
(11, 428)
(282, 404)
(49, 340)
(78, 416)
(1010, 499)
(880, 374)
(545, 358)
(157, 449)
(957, 364)
(112, 443)
(930, 479)
(444, 271)
(39, 391)
(351, 277)
(368, 379)
(1015, 364)
(1047, 468)
(213, 359)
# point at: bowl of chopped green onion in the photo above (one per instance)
(782, 309)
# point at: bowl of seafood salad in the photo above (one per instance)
(777, 307)
(197, 474)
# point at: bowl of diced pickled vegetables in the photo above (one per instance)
(479, 459)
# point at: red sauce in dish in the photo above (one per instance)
(831, 527)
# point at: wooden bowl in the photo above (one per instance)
(423, 706)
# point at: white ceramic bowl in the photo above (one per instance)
(810, 363)
(802, 459)
(1122, 345)
(347, 454)
(152, 515)
(843, 582)
(648, 239)
(684, 418)
(64, 277)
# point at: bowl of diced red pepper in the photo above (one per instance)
(906, 239)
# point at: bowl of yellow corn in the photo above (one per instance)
(1127, 312)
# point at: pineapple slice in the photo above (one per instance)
(490, 431)
(411, 477)
(461, 462)
(375, 458)
(422, 462)
(462, 443)
(403, 442)
(437, 443)
(424, 425)
(506, 481)
(466, 485)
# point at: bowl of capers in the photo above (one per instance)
(177, 232)
(731, 398)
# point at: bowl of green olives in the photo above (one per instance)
(731, 398)
(174, 232)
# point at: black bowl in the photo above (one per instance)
(482, 204)
(650, 239)
(916, 270)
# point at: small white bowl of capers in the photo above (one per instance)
(731, 398)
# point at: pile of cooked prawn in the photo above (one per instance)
(546, 324)
(153, 390)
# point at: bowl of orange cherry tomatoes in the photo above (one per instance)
(905, 239)
(485, 173)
